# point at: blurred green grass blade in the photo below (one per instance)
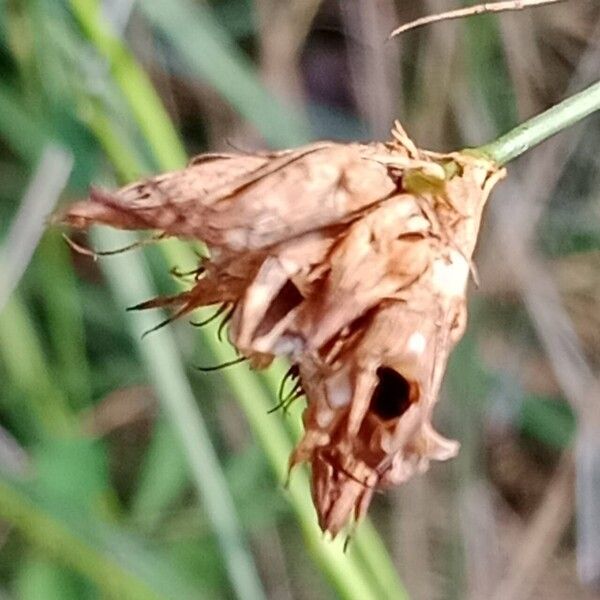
(44, 42)
(52, 78)
(115, 562)
(373, 553)
(25, 362)
(72, 471)
(549, 420)
(126, 274)
(18, 129)
(202, 561)
(467, 382)
(208, 52)
(562, 234)
(467, 385)
(43, 191)
(238, 16)
(41, 579)
(164, 475)
(123, 154)
(135, 85)
(493, 85)
(61, 303)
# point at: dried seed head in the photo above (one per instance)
(352, 261)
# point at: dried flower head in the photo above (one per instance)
(351, 260)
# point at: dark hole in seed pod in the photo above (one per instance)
(287, 298)
(391, 397)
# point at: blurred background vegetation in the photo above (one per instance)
(125, 473)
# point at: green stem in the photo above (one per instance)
(149, 112)
(541, 127)
(127, 276)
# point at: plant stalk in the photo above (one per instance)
(542, 126)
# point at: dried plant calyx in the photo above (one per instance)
(351, 260)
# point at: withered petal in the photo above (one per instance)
(350, 259)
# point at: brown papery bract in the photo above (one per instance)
(352, 261)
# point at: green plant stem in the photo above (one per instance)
(541, 127)
(150, 114)
(129, 283)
